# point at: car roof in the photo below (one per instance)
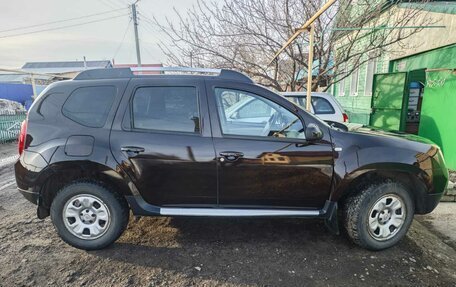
(135, 72)
(324, 95)
(304, 94)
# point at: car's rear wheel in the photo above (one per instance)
(379, 216)
(88, 216)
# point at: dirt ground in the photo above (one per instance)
(211, 252)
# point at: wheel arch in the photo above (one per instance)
(57, 175)
(411, 177)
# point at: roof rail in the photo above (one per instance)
(114, 73)
(176, 69)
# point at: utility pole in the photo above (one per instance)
(135, 22)
(32, 79)
(310, 67)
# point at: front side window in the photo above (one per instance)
(89, 106)
(246, 114)
(166, 109)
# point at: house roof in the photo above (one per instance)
(65, 67)
(20, 78)
(446, 7)
(13, 78)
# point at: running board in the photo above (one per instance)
(140, 207)
(237, 212)
(329, 211)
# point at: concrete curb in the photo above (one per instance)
(450, 193)
(448, 198)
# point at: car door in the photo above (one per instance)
(271, 165)
(161, 139)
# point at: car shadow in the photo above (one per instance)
(241, 250)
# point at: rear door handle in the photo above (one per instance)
(132, 149)
(231, 155)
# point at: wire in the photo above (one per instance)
(151, 29)
(122, 41)
(62, 27)
(146, 18)
(60, 21)
(110, 4)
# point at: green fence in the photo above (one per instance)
(359, 118)
(438, 117)
(10, 125)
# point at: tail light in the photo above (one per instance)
(345, 117)
(22, 137)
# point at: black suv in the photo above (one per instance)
(212, 143)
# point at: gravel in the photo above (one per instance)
(165, 251)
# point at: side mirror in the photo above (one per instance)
(337, 125)
(313, 132)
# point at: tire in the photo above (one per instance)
(372, 217)
(88, 216)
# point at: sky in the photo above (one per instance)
(96, 41)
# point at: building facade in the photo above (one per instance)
(410, 89)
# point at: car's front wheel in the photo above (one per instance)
(88, 216)
(379, 216)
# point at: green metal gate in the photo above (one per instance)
(438, 117)
(387, 101)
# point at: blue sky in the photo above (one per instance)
(96, 41)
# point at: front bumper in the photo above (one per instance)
(434, 179)
(428, 202)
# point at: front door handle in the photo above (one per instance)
(231, 155)
(132, 149)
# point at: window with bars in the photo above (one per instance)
(354, 82)
(370, 71)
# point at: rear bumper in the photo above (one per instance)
(26, 181)
(31, 196)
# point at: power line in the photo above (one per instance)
(152, 31)
(108, 3)
(62, 27)
(146, 18)
(60, 21)
(122, 41)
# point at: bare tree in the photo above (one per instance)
(245, 34)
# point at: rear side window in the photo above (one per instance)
(320, 105)
(294, 100)
(172, 109)
(90, 106)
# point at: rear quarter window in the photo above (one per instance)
(90, 106)
(51, 105)
(322, 106)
